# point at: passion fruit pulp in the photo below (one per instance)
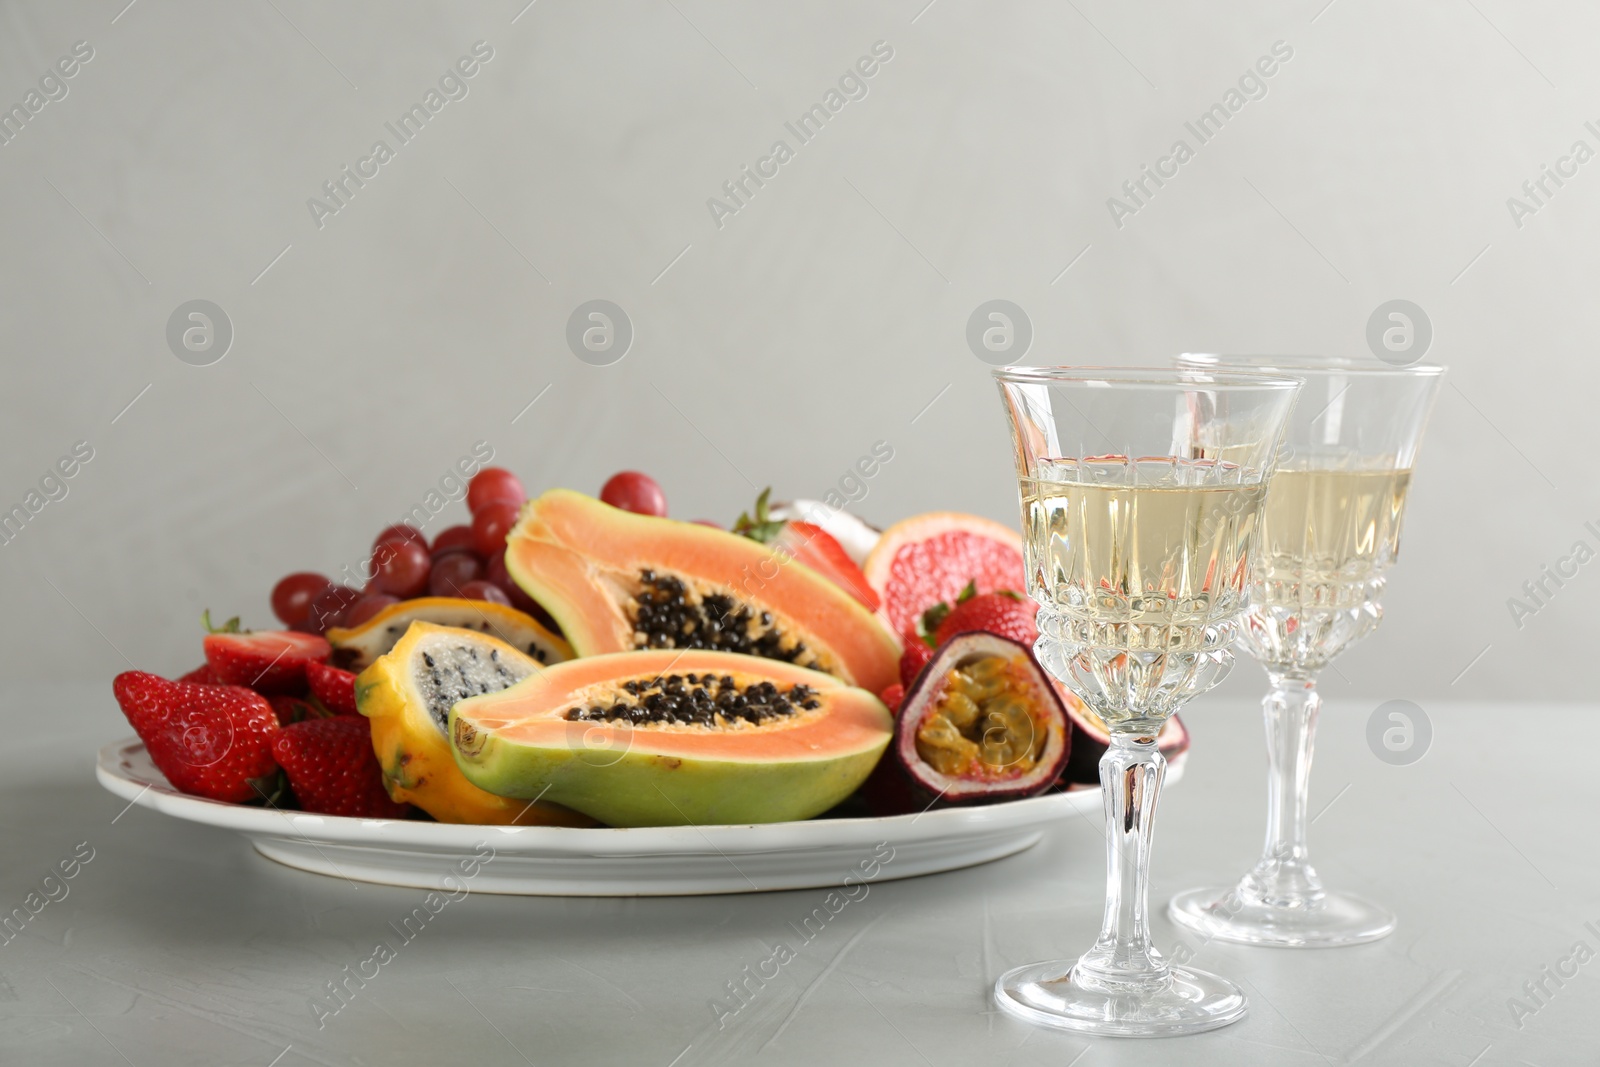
(982, 722)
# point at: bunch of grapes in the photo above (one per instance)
(467, 561)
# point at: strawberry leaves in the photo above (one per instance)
(762, 528)
(928, 622)
(229, 627)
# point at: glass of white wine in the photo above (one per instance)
(1141, 495)
(1329, 534)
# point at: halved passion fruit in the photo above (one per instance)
(359, 648)
(982, 721)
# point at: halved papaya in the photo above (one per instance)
(407, 696)
(358, 648)
(616, 581)
(671, 738)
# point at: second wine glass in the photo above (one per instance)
(1330, 532)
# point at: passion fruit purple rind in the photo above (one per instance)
(982, 722)
(1090, 740)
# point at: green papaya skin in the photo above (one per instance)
(519, 743)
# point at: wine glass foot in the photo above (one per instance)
(1045, 994)
(1334, 919)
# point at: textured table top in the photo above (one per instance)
(176, 944)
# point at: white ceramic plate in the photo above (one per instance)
(644, 861)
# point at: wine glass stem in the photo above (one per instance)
(1123, 959)
(1284, 873)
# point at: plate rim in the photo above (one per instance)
(748, 838)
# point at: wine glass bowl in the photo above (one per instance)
(1141, 494)
(1133, 647)
(1330, 532)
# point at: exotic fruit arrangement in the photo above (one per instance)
(579, 661)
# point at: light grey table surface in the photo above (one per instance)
(176, 944)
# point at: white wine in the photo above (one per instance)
(1327, 538)
(1142, 557)
(1327, 534)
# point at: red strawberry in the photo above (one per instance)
(332, 768)
(817, 549)
(291, 710)
(1005, 614)
(268, 661)
(334, 687)
(811, 545)
(914, 658)
(893, 695)
(210, 740)
(202, 675)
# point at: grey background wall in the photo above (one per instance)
(371, 351)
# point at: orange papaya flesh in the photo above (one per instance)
(615, 581)
(662, 737)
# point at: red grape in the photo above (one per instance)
(292, 596)
(453, 570)
(400, 531)
(401, 568)
(490, 526)
(494, 485)
(451, 539)
(635, 492)
(328, 605)
(365, 608)
(496, 572)
(500, 577)
(481, 590)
